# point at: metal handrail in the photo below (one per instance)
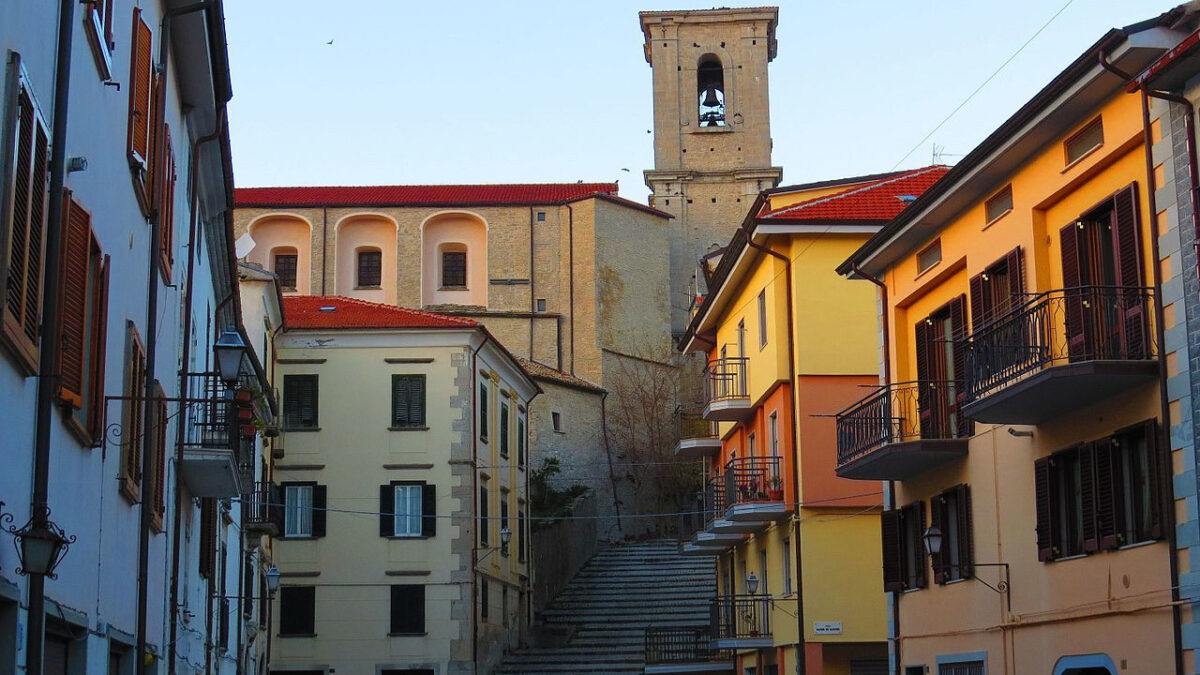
(682, 645)
(904, 411)
(725, 379)
(737, 617)
(690, 423)
(751, 479)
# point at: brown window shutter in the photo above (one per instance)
(166, 208)
(428, 510)
(387, 510)
(1157, 463)
(937, 513)
(99, 352)
(140, 85)
(924, 394)
(1015, 261)
(208, 536)
(1127, 245)
(1043, 493)
(320, 502)
(1109, 498)
(73, 298)
(893, 571)
(132, 436)
(966, 532)
(958, 330)
(978, 302)
(1071, 238)
(1088, 495)
(151, 187)
(23, 287)
(922, 579)
(159, 456)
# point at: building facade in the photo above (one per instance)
(116, 263)
(1022, 425)
(427, 486)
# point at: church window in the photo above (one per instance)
(710, 88)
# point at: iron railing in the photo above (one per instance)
(263, 508)
(741, 617)
(725, 379)
(690, 423)
(217, 417)
(1086, 323)
(682, 645)
(753, 479)
(905, 411)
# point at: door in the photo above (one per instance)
(941, 367)
(55, 659)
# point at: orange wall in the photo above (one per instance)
(818, 396)
(738, 438)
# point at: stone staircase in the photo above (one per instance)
(604, 611)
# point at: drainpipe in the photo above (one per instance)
(571, 277)
(185, 360)
(1165, 408)
(51, 332)
(801, 655)
(475, 499)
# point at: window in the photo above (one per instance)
(504, 605)
(300, 402)
(710, 88)
(131, 416)
(998, 206)
(541, 304)
(407, 509)
(997, 289)
(903, 549)
(751, 445)
(929, 256)
(408, 401)
(23, 226)
(370, 268)
(483, 597)
(285, 269)
(166, 206)
(773, 433)
(787, 566)
(142, 108)
(408, 610)
(83, 302)
(556, 421)
(522, 554)
(950, 513)
(541, 216)
(504, 429)
(454, 269)
(158, 457)
(521, 439)
(961, 668)
(206, 563)
(762, 318)
(484, 524)
(741, 337)
(304, 510)
(941, 358)
(483, 412)
(504, 522)
(1102, 494)
(1084, 141)
(297, 611)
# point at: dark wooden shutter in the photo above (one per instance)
(1015, 262)
(73, 298)
(1043, 493)
(1109, 501)
(208, 536)
(937, 519)
(166, 204)
(1088, 496)
(23, 285)
(893, 552)
(408, 401)
(99, 352)
(276, 505)
(1127, 248)
(979, 303)
(966, 533)
(141, 71)
(387, 511)
(428, 510)
(300, 401)
(925, 397)
(1071, 238)
(407, 610)
(319, 503)
(922, 579)
(958, 330)
(1157, 463)
(159, 451)
(297, 610)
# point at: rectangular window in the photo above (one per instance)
(166, 206)
(483, 412)
(408, 401)
(299, 402)
(285, 269)
(903, 549)
(454, 269)
(787, 566)
(1136, 490)
(407, 509)
(541, 304)
(522, 554)
(950, 513)
(205, 562)
(26, 141)
(521, 440)
(1084, 141)
(483, 597)
(541, 216)
(504, 524)
(999, 205)
(97, 24)
(556, 421)
(762, 318)
(929, 256)
(741, 337)
(773, 433)
(504, 429)
(484, 524)
(303, 510)
(998, 289)
(132, 416)
(961, 668)
(408, 610)
(370, 269)
(297, 611)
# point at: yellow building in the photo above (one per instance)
(405, 542)
(1020, 427)
(789, 343)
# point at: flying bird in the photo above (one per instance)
(329, 43)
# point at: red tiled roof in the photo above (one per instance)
(880, 200)
(543, 372)
(311, 311)
(419, 195)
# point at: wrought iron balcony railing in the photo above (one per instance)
(1065, 326)
(217, 417)
(682, 645)
(263, 509)
(690, 423)
(741, 617)
(897, 413)
(753, 479)
(725, 379)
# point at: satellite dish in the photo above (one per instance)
(243, 245)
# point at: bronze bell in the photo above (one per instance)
(710, 98)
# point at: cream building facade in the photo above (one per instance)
(406, 438)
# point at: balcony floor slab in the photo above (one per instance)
(757, 512)
(698, 447)
(1059, 390)
(900, 461)
(210, 472)
(726, 526)
(698, 667)
(728, 410)
(743, 643)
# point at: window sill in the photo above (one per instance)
(297, 537)
(302, 429)
(295, 635)
(287, 289)
(1137, 544)
(368, 288)
(1082, 157)
(453, 288)
(408, 428)
(997, 219)
(407, 634)
(406, 537)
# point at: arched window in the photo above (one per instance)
(284, 260)
(370, 267)
(710, 88)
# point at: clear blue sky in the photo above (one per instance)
(541, 91)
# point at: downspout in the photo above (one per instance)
(324, 246)
(532, 293)
(890, 485)
(39, 508)
(558, 338)
(571, 278)
(1159, 332)
(801, 655)
(185, 360)
(475, 499)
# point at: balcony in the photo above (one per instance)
(218, 444)
(754, 492)
(698, 437)
(741, 622)
(685, 650)
(703, 537)
(900, 431)
(262, 510)
(1060, 351)
(726, 397)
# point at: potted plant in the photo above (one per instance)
(776, 491)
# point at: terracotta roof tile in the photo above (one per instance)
(880, 200)
(312, 311)
(419, 195)
(543, 372)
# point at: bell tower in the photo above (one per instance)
(712, 130)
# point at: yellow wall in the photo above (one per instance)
(767, 364)
(836, 321)
(842, 574)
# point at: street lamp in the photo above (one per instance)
(933, 541)
(229, 350)
(933, 538)
(41, 545)
(272, 581)
(505, 537)
(751, 583)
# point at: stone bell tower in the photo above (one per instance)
(712, 130)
